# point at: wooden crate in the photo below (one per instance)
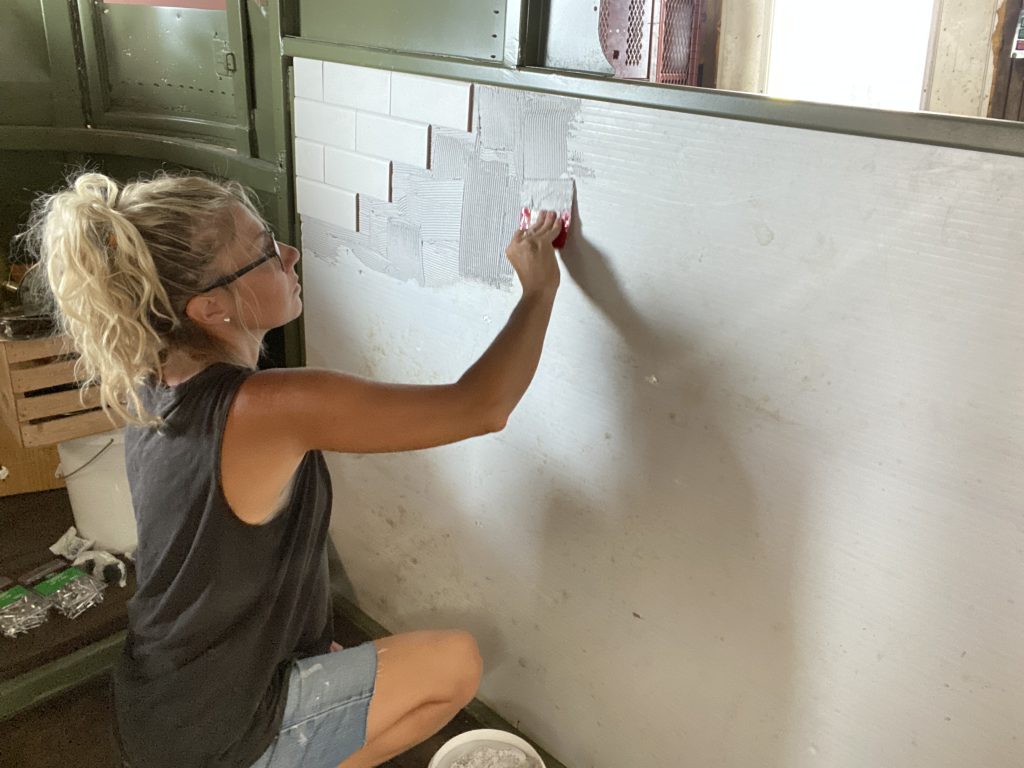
(40, 402)
(28, 469)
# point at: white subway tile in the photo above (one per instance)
(325, 123)
(328, 204)
(309, 160)
(398, 140)
(309, 78)
(357, 87)
(430, 100)
(358, 173)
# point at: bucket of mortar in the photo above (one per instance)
(466, 743)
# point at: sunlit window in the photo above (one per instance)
(869, 53)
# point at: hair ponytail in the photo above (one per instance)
(122, 264)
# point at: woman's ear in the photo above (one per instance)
(206, 311)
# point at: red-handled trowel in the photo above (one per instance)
(548, 195)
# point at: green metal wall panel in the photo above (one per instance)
(167, 60)
(473, 29)
(22, 104)
(167, 70)
(23, 43)
(25, 85)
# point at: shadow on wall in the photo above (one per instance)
(410, 524)
(718, 605)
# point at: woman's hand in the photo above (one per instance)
(532, 255)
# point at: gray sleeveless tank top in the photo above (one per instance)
(222, 608)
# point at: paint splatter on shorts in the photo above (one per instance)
(325, 714)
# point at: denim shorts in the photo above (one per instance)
(325, 713)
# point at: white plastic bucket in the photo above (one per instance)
(461, 745)
(97, 481)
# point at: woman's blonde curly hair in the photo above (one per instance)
(122, 263)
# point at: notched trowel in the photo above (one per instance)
(548, 195)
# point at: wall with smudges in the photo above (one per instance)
(762, 505)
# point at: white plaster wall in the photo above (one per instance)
(763, 503)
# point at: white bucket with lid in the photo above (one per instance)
(94, 471)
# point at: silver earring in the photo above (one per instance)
(227, 319)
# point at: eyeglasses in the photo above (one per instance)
(272, 252)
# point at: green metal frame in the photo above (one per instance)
(273, 96)
(980, 134)
(244, 137)
(60, 23)
(472, 29)
(39, 685)
(190, 153)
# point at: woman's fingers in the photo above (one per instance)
(547, 225)
(545, 229)
(543, 222)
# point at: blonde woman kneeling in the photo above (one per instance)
(167, 288)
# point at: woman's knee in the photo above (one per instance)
(466, 664)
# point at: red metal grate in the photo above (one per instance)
(635, 28)
(679, 42)
(624, 27)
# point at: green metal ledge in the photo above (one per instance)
(203, 156)
(997, 136)
(39, 685)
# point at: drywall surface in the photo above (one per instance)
(762, 505)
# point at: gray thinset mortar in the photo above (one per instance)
(450, 153)
(498, 119)
(518, 136)
(454, 221)
(546, 136)
(373, 222)
(329, 243)
(404, 250)
(440, 262)
(436, 206)
(490, 210)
